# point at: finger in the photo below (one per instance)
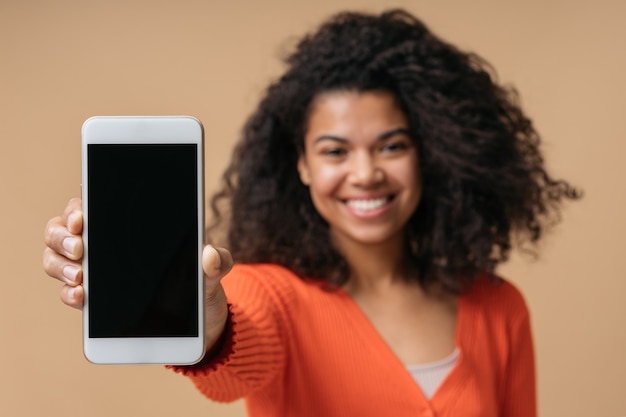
(58, 238)
(216, 262)
(73, 296)
(59, 267)
(73, 216)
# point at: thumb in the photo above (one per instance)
(216, 263)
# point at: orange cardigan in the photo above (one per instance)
(294, 348)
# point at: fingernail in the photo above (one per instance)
(218, 261)
(71, 218)
(69, 244)
(72, 293)
(70, 272)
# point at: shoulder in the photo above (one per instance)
(496, 295)
(494, 318)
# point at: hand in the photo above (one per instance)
(62, 258)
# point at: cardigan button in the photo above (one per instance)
(427, 413)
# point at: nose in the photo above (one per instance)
(364, 170)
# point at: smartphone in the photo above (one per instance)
(143, 231)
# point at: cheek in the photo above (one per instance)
(325, 179)
(409, 177)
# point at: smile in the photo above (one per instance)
(368, 204)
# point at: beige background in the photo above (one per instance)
(63, 61)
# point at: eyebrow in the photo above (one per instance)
(383, 136)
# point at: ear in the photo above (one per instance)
(303, 170)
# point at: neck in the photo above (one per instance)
(374, 267)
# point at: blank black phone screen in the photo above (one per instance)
(142, 243)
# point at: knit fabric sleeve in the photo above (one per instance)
(252, 353)
(520, 385)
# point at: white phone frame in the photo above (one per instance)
(144, 130)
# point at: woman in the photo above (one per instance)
(374, 191)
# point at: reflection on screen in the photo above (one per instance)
(142, 243)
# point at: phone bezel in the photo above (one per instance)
(144, 130)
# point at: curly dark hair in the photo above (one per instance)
(483, 174)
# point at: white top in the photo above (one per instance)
(429, 376)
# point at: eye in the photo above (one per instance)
(395, 147)
(333, 152)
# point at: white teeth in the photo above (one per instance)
(367, 205)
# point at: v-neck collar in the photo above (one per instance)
(448, 389)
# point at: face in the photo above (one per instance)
(361, 166)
